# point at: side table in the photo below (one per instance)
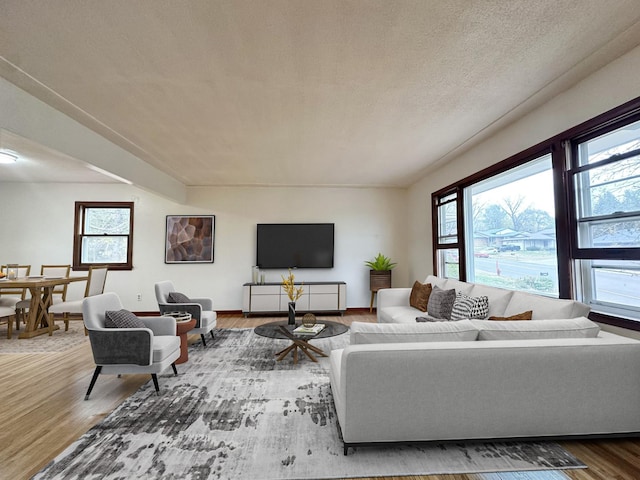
(184, 324)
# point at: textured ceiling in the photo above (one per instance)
(291, 92)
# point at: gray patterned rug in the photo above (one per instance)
(60, 341)
(236, 413)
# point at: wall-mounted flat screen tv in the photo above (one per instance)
(295, 245)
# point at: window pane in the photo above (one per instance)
(612, 188)
(612, 283)
(111, 249)
(619, 141)
(106, 220)
(614, 233)
(449, 263)
(447, 223)
(511, 219)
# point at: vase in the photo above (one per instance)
(292, 313)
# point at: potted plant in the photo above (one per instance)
(379, 274)
(288, 285)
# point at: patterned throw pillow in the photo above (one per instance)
(528, 315)
(420, 294)
(441, 303)
(177, 297)
(470, 307)
(122, 319)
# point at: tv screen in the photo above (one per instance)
(295, 245)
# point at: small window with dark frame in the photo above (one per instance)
(103, 235)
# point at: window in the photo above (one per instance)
(447, 245)
(606, 246)
(561, 219)
(103, 235)
(511, 219)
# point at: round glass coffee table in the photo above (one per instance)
(283, 331)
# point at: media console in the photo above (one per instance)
(318, 297)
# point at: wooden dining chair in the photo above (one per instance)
(59, 292)
(96, 280)
(7, 314)
(10, 297)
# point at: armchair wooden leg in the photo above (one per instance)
(93, 381)
(204, 343)
(155, 383)
(175, 370)
(212, 335)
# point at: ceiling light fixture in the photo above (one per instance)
(8, 157)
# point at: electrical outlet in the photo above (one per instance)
(139, 297)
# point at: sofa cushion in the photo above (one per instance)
(543, 307)
(469, 307)
(457, 285)
(420, 294)
(498, 297)
(364, 332)
(580, 327)
(441, 303)
(122, 319)
(518, 316)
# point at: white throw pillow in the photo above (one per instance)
(363, 332)
(580, 327)
(469, 307)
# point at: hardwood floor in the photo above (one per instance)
(43, 412)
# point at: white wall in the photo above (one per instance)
(608, 88)
(37, 228)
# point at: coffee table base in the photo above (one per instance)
(298, 344)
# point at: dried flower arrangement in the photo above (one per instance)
(289, 287)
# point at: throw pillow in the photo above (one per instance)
(429, 318)
(122, 319)
(520, 316)
(441, 302)
(470, 307)
(420, 294)
(177, 297)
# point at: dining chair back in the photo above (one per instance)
(96, 280)
(57, 271)
(10, 296)
(7, 314)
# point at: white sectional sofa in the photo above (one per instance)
(481, 379)
(393, 303)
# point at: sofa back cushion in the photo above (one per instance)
(362, 332)
(580, 327)
(498, 297)
(544, 307)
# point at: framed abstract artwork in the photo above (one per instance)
(189, 239)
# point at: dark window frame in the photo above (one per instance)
(78, 235)
(562, 148)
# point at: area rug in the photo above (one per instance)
(60, 341)
(234, 412)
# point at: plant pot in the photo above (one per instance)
(379, 279)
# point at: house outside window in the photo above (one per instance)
(103, 235)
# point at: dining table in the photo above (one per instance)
(41, 288)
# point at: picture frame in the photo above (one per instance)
(189, 239)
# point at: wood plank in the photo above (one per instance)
(43, 411)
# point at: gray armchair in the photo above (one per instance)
(151, 349)
(200, 308)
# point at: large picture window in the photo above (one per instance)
(511, 219)
(560, 219)
(103, 235)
